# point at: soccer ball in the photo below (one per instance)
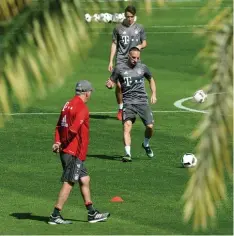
(199, 96)
(88, 17)
(121, 17)
(108, 17)
(102, 17)
(96, 17)
(189, 160)
(115, 18)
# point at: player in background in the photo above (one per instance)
(71, 141)
(126, 35)
(131, 76)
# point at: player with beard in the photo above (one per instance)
(131, 76)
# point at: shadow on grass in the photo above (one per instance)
(180, 167)
(30, 216)
(107, 157)
(101, 117)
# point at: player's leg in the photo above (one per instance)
(146, 116)
(67, 163)
(119, 99)
(93, 214)
(129, 117)
(56, 218)
(63, 195)
(127, 127)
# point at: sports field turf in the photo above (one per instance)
(151, 189)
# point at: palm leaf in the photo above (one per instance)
(10, 8)
(206, 187)
(40, 57)
(33, 56)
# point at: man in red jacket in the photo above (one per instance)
(71, 141)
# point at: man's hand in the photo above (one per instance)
(110, 67)
(56, 147)
(110, 84)
(153, 99)
(139, 46)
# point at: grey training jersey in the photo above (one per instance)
(125, 38)
(132, 82)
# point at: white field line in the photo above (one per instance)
(95, 112)
(161, 26)
(160, 8)
(155, 32)
(176, 26)
(180, 106)
(164, 8)
(170, 1)
(177, 104)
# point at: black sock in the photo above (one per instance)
(90, 208)
(56, 212)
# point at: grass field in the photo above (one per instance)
(151, 189)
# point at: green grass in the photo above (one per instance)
(151, 189)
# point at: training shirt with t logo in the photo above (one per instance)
(72, 129)
(127, 37)
(132, 82)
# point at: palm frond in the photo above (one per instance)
(39, 46)
(206, 187)
(9, 9)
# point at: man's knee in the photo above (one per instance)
(127, 125)
(85, 180)
(150, 126)
(68, 184)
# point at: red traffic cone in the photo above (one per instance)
(117, 199)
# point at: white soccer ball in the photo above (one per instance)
(188, 160)
(108, 17)
(115, 17)
(96, 17)
(121, 17)
(200, 96)
(102, 17)
(88, 17)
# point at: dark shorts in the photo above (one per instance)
(73, 168)
(143, 110)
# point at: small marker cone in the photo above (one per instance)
(117, 199)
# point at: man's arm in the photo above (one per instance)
(74, 129)
(153, 90)
(110, 84)
(57, 142)
(152, 83)
(112, 55)
(142, 45)
(142, 39)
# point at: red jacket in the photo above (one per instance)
(72, 129)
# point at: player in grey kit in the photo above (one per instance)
(131, 76)
(126, 35)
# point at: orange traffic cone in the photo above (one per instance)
(117, 199)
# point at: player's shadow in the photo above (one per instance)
(30, 216)
(101, 117)
(106, 157)
(180, 167)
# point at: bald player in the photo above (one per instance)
(131, 76)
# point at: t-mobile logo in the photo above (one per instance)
(125, 39)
